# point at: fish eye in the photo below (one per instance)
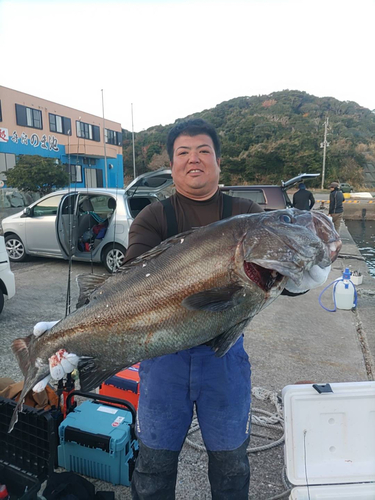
(286, 218)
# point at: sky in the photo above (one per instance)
(153, 62)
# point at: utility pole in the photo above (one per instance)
(324, 145)
(133, 144)
(105, 149)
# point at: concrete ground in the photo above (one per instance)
(293, 340)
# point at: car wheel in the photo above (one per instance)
(113, 257)
(1, 301)
(15, 248)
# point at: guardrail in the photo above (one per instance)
(348, 201)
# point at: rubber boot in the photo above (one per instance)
(229, 473)
(155, 474)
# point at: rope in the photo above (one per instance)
(285, 494)
(274, 421)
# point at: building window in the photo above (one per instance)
(87, 131)
(75, 173)
(112, 137)
(60, 124)
(7, 161)
(89, 161)
(29, 117)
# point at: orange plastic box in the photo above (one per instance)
(123, 385)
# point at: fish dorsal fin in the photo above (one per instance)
(226, 340)
(87, 284)
(20, 348)
(215, 299)
(156, 251)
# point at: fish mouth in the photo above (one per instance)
(262, 277)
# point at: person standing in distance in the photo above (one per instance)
(303, 199)
(336, 208)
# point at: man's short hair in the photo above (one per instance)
(302, 186)
(334, 185)
(191, 128)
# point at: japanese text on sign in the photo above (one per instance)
(36, 141)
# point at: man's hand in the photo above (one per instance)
(313, 278)
(60, 364)
(43, 326)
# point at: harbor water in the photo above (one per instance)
(363, 234)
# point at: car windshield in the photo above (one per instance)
(255, 195)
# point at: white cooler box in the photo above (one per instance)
(330, 440)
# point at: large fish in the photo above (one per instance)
(202, 285)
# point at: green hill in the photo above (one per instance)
(269, 138)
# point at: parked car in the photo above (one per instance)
(7, 283)
(269, 197)
(346, 188)
(88, 224)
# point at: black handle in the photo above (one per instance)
(322, 388)
(100, 397)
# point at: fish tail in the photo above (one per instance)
(16, 410)
(22, 348)
(30, 380)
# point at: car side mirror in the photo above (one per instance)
(26, 212)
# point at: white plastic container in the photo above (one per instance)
(330, 441)
(344, 292)
(357, 279)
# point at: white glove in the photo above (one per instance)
(43, 326)
(60, 364)
(313, 278)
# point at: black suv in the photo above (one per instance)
(268, 197)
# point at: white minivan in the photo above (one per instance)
(7, 283)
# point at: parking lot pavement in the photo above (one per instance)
(41, 286)
(292, 340)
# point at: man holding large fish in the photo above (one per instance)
(182, 306)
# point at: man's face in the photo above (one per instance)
(195, 168)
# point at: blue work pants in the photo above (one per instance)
(220, 390)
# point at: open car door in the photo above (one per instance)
(150, 182)
(300, 178)
(67, 224)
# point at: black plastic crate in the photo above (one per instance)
(20, 486)
(28, 454)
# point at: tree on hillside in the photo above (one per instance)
(269, 138)
(38, 174)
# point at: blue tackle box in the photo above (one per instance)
(98, 439)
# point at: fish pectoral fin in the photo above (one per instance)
(226, 340)
(87, 284)
(92, 373)
(215, 299)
